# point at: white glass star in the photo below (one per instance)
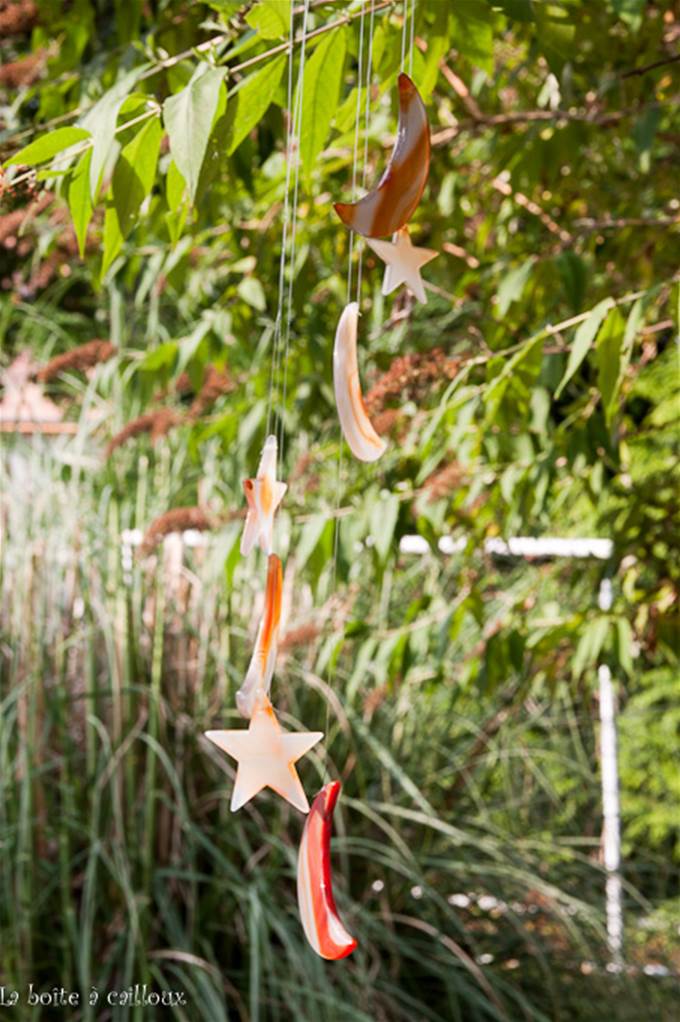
(266, 757)
(403, 261)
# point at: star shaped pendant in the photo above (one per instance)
(403, 261)
(263, 494)
(266, 757)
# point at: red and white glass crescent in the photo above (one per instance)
(323, 927)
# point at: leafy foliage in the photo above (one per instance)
(457, 688)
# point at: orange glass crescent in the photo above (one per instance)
(261, 670)
(392, 203)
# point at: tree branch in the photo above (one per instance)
(650, 67)
(601, 119)
(586, 223)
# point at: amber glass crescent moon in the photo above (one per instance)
(389, 206)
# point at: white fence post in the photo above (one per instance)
(610, 799)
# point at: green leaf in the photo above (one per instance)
(644, 132)
(251, 291)
(473, 32)
(633, 324)
(322, 79)
(625, 644)
(583, 338)
(310, 535)
(100, 121)
(188, 346)
(132, 181)
(383, 520)
(112, 238)
(592, 640)
(79, 199)
(520, 10)
(251, 102)
(437, 47)
(556, 32)
(162, 357)
(176, 198)
(175, 187)
(609, 348)
(188, 117)
(135, 173)
(574, 276)
(523, 364)
(226, 7)
(614, 358)
(512, 286)
(630, 11)
(47, 146)
(270, 18)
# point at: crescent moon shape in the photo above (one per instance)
(391, 204)
(363, 440)
(258, 678)
(323, 927)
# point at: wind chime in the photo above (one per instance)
(266, 754)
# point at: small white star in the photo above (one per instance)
(403, 261)
(266, 757)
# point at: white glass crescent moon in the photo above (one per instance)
(392, 203)
(364, 442)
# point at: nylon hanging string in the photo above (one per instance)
(276, 341)
(356, 148)
(403, 34)
(367, 104)
(340, 461)
(297, 124)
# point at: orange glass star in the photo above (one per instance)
(263, 495)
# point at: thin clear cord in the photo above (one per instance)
(364, 169)
(276, 341)
(356, 147)
(296, 189)
(412, 39)
(341, 444)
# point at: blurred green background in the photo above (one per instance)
(536, 394)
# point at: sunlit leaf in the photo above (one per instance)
(250, 103)
(79, 199)
(512, 286)
(609, 348)
(133, 179)
(383, 520)
(271, 18)
(583, 339)
(101, 120)
(47, 146)
(320, 98)
(251, 291)
(188, 117)
(473, 32)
